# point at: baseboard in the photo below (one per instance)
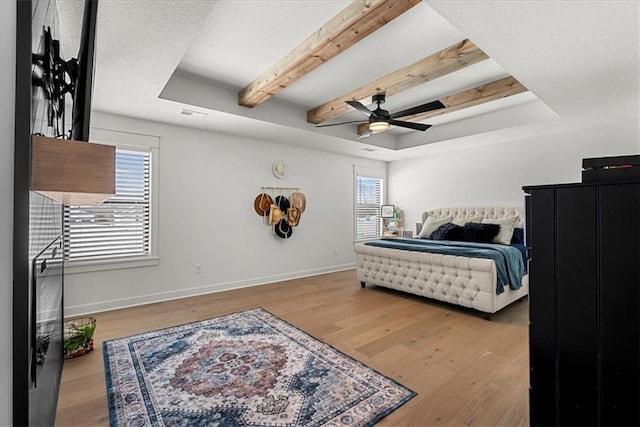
(85, 309)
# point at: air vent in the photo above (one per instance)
(192, 113)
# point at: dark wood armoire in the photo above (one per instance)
(584, 276)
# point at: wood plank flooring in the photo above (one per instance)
(464, 369)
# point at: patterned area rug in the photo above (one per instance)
(244, 369)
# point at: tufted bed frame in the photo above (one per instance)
(468, 282)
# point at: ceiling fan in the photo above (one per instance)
(381, 120)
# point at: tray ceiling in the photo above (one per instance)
(162, 57)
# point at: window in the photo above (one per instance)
(368, 197)
(121, 226)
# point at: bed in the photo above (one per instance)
(463, 280)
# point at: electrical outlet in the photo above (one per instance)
(198, 269)
(335, 252)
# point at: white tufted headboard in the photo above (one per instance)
(486, 212)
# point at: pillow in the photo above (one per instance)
(462, 221)
(518, 235)
(447, 231)
(506, 228)
(479, 233)
(431, 224)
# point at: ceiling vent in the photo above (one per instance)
(192, 113)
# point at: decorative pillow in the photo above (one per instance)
(506, 228)
(447, 231)
(518, 235)
(431, 224)
(462, 221)
(479, 233)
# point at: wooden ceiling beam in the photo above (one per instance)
(351, 25)
(502, 88)
(448, 60)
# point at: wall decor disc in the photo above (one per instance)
(280, 168)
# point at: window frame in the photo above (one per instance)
(366, 172)
(131, 142)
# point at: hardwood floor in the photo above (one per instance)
(464, 369)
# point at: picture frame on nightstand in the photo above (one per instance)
(386, 211)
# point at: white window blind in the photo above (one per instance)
(368, 201)
(120, 227)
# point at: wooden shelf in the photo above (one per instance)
(389, 230)
(72, 172)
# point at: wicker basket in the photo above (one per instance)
(78, 336)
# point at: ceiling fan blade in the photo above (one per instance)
(343, 123)
(429, 106)
(366, 134)
(410, 125)
(358, 106)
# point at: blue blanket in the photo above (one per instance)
(509, 261)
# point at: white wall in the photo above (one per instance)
(207, 184)
(7, 113)
(495, 174)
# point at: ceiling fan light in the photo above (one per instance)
(379, 126)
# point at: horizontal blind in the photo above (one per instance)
(368, 201)
(120, 227)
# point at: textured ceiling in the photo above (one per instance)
(577, 58)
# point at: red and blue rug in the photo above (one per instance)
(244, 369)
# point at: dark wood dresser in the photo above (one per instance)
(584, 274)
